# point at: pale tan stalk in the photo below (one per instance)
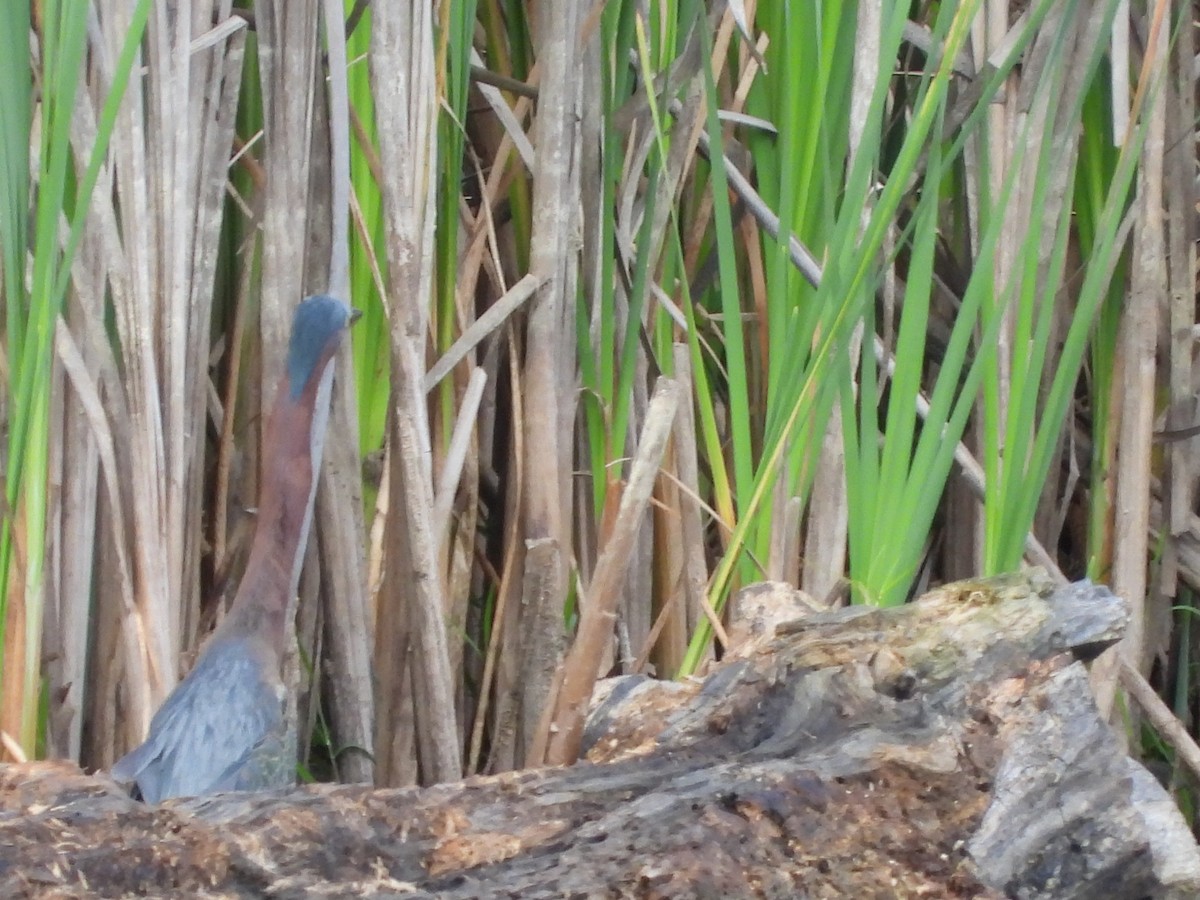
(1136, 393)
(549, 366)
(406, 103)
(580, 669)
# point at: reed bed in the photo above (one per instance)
(660, 299)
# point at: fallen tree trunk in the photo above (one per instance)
(949, 748)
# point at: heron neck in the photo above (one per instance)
(291, 463)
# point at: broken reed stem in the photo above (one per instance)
(491, 320)
(1169, 728)
(580, 668)
(456, 455)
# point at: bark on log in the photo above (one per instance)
(949, 748)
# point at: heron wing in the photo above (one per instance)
(206, 736)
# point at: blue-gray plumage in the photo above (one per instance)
(318, 320)
(222, 728)
(225, 713)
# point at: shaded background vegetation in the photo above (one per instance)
(661, 298)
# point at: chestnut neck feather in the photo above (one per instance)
(285, 500)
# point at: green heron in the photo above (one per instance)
(222, 728)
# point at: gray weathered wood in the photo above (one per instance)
(947, 748)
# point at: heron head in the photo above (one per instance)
(317, 329)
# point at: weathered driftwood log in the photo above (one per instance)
(949, 748)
